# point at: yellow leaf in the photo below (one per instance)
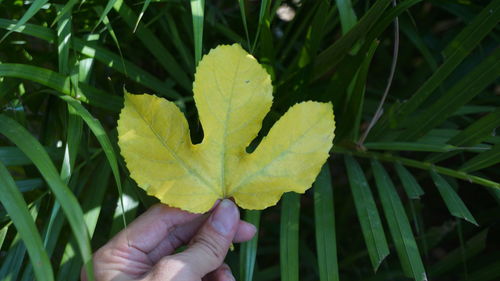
(233, 93)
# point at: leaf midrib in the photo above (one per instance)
(224, 138)
(265, 166)
(177, 158)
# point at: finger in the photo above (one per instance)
(245, 232)
(208, 247)
(127, 253)
(179, 236)
(182, 234)
(223, 273)
(148, 230)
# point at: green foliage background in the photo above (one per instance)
(416, 196)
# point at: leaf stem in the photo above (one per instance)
(419, 165)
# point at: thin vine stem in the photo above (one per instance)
(379, 111)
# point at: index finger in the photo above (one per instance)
(149, 229)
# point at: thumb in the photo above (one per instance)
(209, 246)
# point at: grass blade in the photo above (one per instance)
(74, 123)
(324, 216)
(399, 225)
(29, 184)
(74, 134)
(264, 7)
(129, 208)
(65, 11)
(244, 20)
(103, 139)
(483, 160)
(388, 18)
(41, 32)
(368, 215)
(3, 231)
(198, 14)
(330, 57)
(467, 40)
(99, 132)
(7, 90)
(473, 134)
(104, 14)
(60, 83)
(15, 257)
(144, 7)
(100, 53)
(63, 41)
(12, 156)
(322, 12)
(173, 30)
(92, 205)
(248, 250)
(339, 86)
(268, 274)
(461, 93)
(455, 205)
(266, 50)
(32, 148)
(472, 248)
(73, 137)
(409, 29)
(289, 236)
(347, 15)
(52, 231)
(124, 66)
(489, 272)
(112, 33)
(32, 10)
(154, 45)
(410, 184)
(13, 201)
(356, 99)
(294, 31)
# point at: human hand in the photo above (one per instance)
(145, 249)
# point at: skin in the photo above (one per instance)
(145, 250)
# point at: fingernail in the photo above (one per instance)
(254, 228)
(224, 217)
